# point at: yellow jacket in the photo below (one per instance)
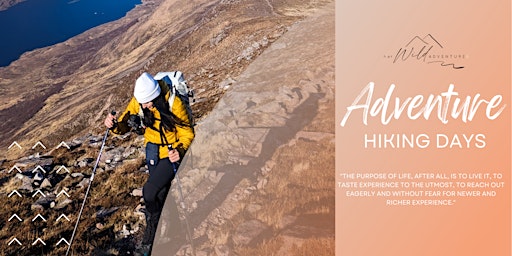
(183, 135)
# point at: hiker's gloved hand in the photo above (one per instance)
(174, 156)
(110, 120)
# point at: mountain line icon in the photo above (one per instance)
(38, 216)
(15, 216)
(38, 240)
(15, 192)
(428, 39)
(15, 168)
(63, 144)
(14, 144)
(14, 240)
(39, 143)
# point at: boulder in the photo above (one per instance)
(46, 184)
(247, 231)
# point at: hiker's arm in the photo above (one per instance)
(122, 122)
(175, 155)
(185, 135)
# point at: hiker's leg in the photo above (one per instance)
(156, 187)
(154, 192)
(152, 213)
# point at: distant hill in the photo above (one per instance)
(5, 4)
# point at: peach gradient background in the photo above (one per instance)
(366, 31)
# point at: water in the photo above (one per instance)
(38, 23)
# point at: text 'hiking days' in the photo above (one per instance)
(445, 106)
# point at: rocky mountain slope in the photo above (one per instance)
(261, 168)
(272, 141)
(59, 91)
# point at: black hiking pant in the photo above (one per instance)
(154, 193)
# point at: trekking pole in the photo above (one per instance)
(182, 205)
(88, 188)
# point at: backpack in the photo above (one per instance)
(178, 87)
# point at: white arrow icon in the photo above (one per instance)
(63, 192)
(63, 216)
(40, 192)
(38, 240)
(63, 168)
(38, 168)
(63, 240)
(39, 144)
(15, 167)
(14, 240)
(63, 144)
(14, 144)
(15, 216)
(38, 216)
(14, 192)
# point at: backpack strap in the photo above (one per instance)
(171, 97)
(141, 113)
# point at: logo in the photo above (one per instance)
(427, 50)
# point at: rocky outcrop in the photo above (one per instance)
(6, 4)
(283, 100)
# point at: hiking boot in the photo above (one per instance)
(143, 250)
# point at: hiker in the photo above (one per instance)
(161, 128)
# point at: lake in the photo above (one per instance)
(36, 23)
